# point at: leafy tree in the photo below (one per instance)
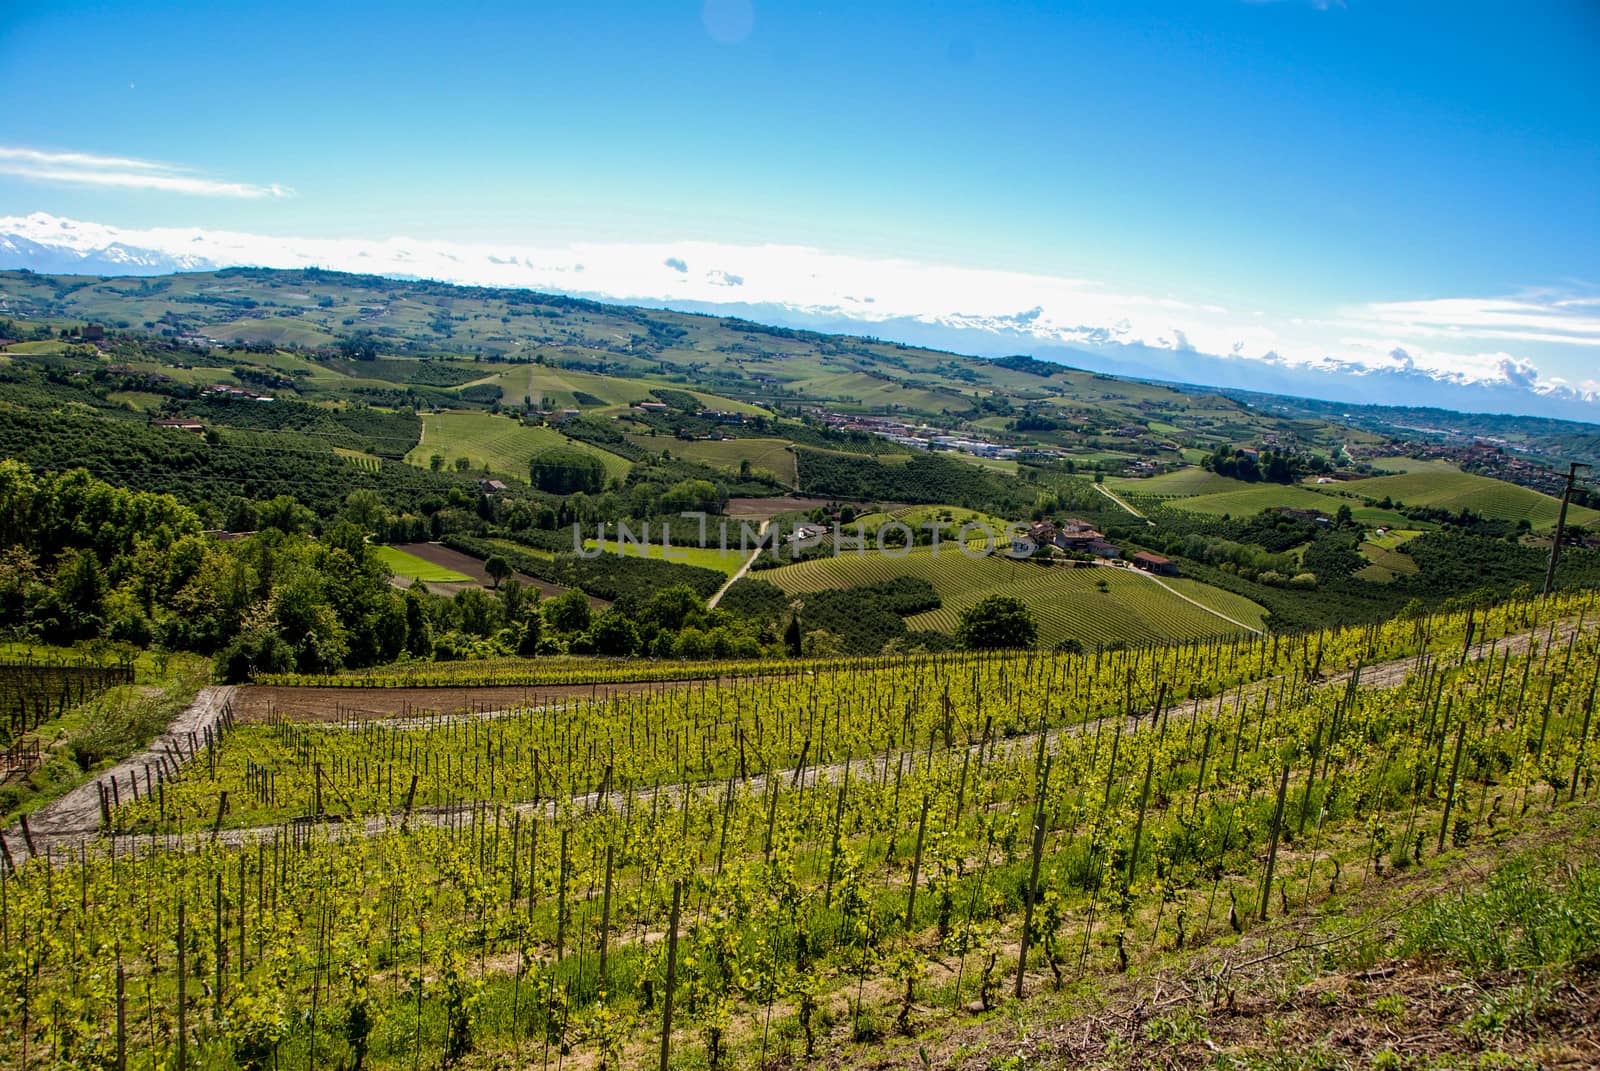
(532, 633)
(564, 471)
(364, 508)
(568, 612)
(360, 346)
(793, 638)
(995, 622)
(286, 514)
(613, 634)
(498, 568)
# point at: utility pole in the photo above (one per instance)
(1561, 526)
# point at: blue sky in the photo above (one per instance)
(1288, 160)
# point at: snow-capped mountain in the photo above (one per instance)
(1379, 353)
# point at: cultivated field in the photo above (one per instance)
(832, 862)
(1066, 601)
(1456, 491)
(411, 567)
(774, 455)
(502, 443)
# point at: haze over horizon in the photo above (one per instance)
(1352, 202)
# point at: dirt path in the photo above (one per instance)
(711, 603)
(76, 815)
(1195, 602)
(1119, 501)
(74, 819)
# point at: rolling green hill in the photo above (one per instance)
(1451, 490)
(1067, 602)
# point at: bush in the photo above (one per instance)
(253, 652)
(997, 622)
(563, 471)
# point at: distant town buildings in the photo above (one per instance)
(924, 437)
(226, 393)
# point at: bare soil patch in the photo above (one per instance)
(763, 508)
(256, 702)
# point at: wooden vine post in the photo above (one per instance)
(1272, 852)
(672, 976)
(1039, 824)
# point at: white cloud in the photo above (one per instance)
(1562, 321)
(1454, 340)
(88, 169)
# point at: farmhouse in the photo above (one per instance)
(1154, 563)
(1073, 534)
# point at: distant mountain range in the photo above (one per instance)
(641, 275)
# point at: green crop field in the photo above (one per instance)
(1450, 490)
(559, 387)
(1066, 602)
(277, 330)
(1413, 464)
(1384, 554)
(1224, 602)
(358, 459)
(143, 401)
(414, 568)
(951, 517)
(501, 443)
(773, 455)
(1248, 499)
(726, 562)
(1182, 483)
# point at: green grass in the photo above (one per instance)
(103, 730)
(1066, 602)
(142, 401)
(1531, 914)
(412, 567)
(1373, 517)
(1450, 490)
(1386, 558)
(1414, 464)
(45, 346)
(499, 442)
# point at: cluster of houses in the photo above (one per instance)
(716, 416)
(226, 393)
(1081, 537)
(923, 437)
